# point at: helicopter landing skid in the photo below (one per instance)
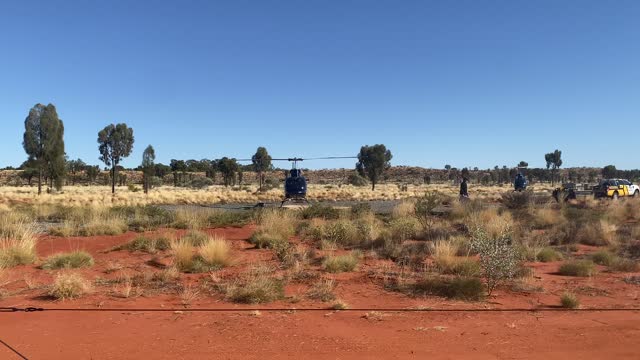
(296, 201)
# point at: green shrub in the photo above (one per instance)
(145, 244)
(341, 232)
(516, 200)
(569, 301)
(200, 183)
(341, 263)
(581, 268)
(603, 257)
(404, 228)
(470, 289)
(320, 211)
(72, 260)
(549, 255)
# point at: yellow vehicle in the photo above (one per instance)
(611, 188)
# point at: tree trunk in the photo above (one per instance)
(113, 179)
(373, 185)
(260, 179)
(40, 180)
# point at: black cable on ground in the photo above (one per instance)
(13, 350)
(222, 310)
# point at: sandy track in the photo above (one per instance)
(322, 336)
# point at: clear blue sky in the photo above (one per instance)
(466, 83)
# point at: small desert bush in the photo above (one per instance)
(469, 289)
(277, 223)
(341, 232)
(258, 286)
(341, 263)
(499, 259)
(404, 228)
(323, 290)
(492, 222)
(580, 268)
(146, 244)
(17, 240)
(517, 200)
(340, 305)
(548, 254)
(69, 286)
(569, 301)
(72, 260)
(320, 211)
(603, 257)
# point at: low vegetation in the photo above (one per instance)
(17, 240)
(258, 286)
(579, 268)
(460, 288)
(341, 263)
(72, 260)
(69, 285)
(569, 301)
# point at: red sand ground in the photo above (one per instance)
(313, 335)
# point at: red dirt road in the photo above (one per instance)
(346, 335)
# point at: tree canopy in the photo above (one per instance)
(43, 141)
(116, 143)
(372, 162)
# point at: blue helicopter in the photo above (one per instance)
(295, 184)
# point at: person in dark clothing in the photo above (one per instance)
(464, 193)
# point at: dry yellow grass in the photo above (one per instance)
(492, 222)
(68, 285)
(17, 240)
(101, 195)
(405, 208)
(91, 221)
(216, 252)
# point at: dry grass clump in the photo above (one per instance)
(569, 301)
(462, 288)
(492, 222)
(258, 286)
(342, 263)
(213, 254)
(147, 244)
(580, 268)
(72, 260)
(323, 290)
(17, 240)
(340, 305)
(447, 262)
(546, 217)
(69, 285)
(600, 233)
(195, 238)
(405, 208)
(216, 252)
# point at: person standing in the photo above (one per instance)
(464, 191)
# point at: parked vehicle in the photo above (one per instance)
(634, 190)
(612, 188)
